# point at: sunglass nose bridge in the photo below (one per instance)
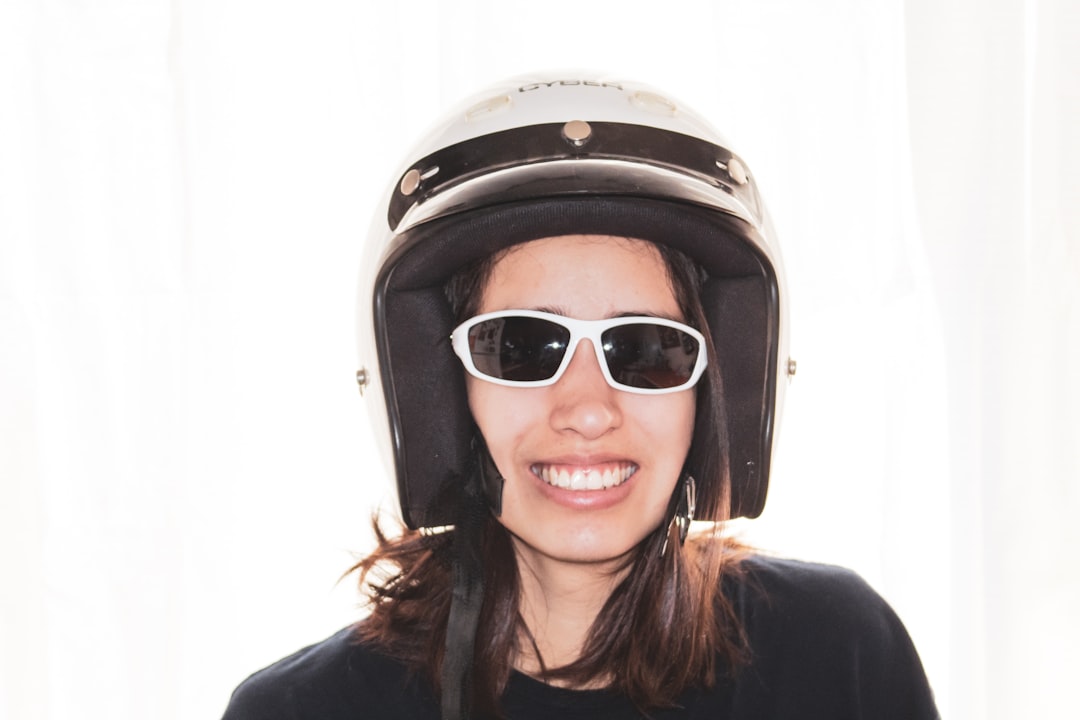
(587, 355)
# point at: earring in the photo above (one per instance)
(684, 512)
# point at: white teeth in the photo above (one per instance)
(584, 479)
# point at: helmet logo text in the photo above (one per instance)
(568, 83)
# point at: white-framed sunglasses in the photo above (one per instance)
(530, 348)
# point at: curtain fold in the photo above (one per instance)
(994, 146)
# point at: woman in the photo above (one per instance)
(578, 346)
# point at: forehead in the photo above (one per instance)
(582, 276)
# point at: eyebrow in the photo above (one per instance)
(555, 310)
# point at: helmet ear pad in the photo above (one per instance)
(742, 313)
(424, 383)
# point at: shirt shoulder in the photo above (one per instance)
(786, 592)
(820, 637)
(338, 678)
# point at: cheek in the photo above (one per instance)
(668, 421)
(501, 417)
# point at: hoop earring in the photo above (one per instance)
(684, 512)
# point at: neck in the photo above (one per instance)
(559, 603)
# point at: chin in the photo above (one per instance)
(578, 549)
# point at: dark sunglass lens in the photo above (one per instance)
(644, 355)
(519, 349)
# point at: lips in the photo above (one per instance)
(585, 477)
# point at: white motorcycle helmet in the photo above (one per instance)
(543, 157)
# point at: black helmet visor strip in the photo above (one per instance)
(540, 160)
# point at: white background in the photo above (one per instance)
(185, 187)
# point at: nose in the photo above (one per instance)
(583, 402)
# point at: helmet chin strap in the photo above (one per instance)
(465, 604)
(482, 494)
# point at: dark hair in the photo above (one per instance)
(668, 605)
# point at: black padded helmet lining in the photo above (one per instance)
(432, 429)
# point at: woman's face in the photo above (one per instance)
(581, 426)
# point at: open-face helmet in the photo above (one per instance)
(549, 156)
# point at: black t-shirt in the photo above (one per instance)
(824, 646)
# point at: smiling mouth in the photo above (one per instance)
(585, 478)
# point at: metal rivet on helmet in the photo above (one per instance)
(410, 182)
(577, 132)
(737, 171)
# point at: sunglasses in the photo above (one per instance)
(529, 348)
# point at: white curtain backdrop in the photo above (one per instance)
(185, 187)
